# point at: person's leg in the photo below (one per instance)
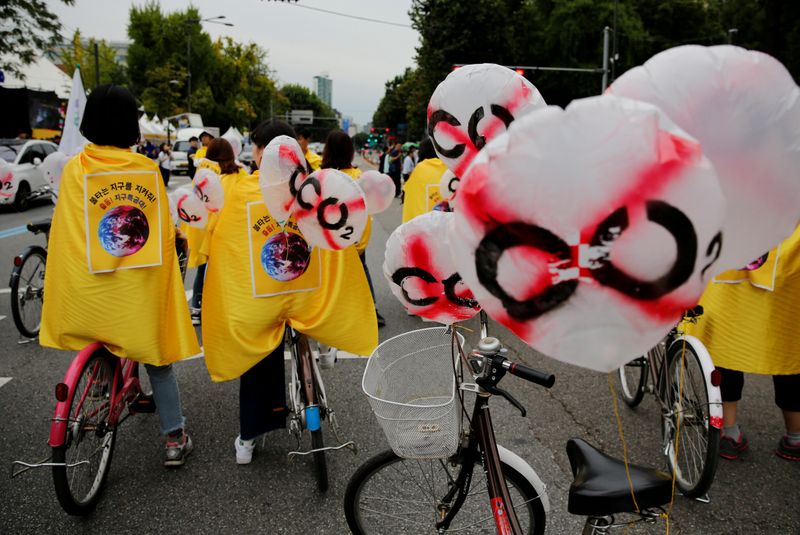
(733, 442)
(363, 257)
(787, 398)
(170, 415)
(197, 293)
(262, 396)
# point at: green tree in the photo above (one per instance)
(360, 139)
(82, 53)
(28, 28)
(393, 109)
(299, 97)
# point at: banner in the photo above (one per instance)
(281, 261)
(123, 220)
(72, 141)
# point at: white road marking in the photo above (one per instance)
(4, 381)
(3, 317)
(5, 290)
(341, 355)
(189, 294)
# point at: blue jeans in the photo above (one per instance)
(167, 397)
(197, 288)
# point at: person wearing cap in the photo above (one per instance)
(205, 140)
(112, 272)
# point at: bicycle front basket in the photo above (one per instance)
(412, 390)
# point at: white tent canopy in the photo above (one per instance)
(41, 75)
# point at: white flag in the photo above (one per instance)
(72, 141)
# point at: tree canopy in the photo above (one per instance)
(568, 33)
(27, 29)
(81, 52)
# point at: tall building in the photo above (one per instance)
(323, 88)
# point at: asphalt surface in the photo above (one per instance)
(211, 494)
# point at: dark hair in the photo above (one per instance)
(161, 147)
(338, 152)
(426, 150)
(193, 138)
(269, 130)
(111, 117)
(204, 133)
(220, 151)
(304, 132)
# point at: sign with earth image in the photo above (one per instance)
(123, 220)
(281, 261)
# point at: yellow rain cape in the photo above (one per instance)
(314, 160)
(117, 281)
(245, 310)
(197, 236)
(422, 188)
(361, 246)
(750, 317)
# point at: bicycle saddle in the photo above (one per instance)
(601, 486)
(42, 225)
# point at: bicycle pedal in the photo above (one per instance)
(144, 404)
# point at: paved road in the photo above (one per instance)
(214, 495)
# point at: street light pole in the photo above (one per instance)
(189, 22)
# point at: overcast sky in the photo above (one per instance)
(359, 56)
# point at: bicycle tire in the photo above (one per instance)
(88, 426)
(632, 379)
(375, 476)
(320, 462)
(698, 442)
(28, 321)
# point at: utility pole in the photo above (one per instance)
(96, 65)
(606, 36)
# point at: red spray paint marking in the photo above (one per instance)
(418, 255)
(6, 179)
(675, 154)
(520, 96)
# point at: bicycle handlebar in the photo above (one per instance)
(544, 379)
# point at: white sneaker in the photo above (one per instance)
(244, 450)
(327, 359)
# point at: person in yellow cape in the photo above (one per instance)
(220, 159)
(303, 138)
(749, 325)
(338, 154)
(421, 190)
(112, 273)
(263, 277)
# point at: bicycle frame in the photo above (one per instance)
(302, 380)
(125, 388)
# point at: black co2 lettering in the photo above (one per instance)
(499, 240)
(477, 140)
(400, 276)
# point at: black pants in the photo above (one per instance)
(395, 174)
(262, 396)
(787, 389)
(165, 175)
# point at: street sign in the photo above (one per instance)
(301, 117)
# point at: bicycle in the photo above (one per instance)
(432, 464)
(98, 393)
(27, 284)
(680, 374)
(308, 406)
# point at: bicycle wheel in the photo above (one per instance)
(320, 463)
(389, 494)
(632, 380)
(27, 292)
(686, 423)
(89, 440)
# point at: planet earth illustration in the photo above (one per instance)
(123, 230)
(285, 256)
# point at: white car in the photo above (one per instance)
(180, 163)
(25, 157)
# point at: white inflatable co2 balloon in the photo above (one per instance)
(281, 171)
(8, 183)
(422, 274)
(744, 109)
(590, 241)
(330, 210)
(378, 189)
(208, 188)
(190, 209)
(472, 106)
(52, 167)
(448, 185)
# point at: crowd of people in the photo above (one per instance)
(748, 326)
